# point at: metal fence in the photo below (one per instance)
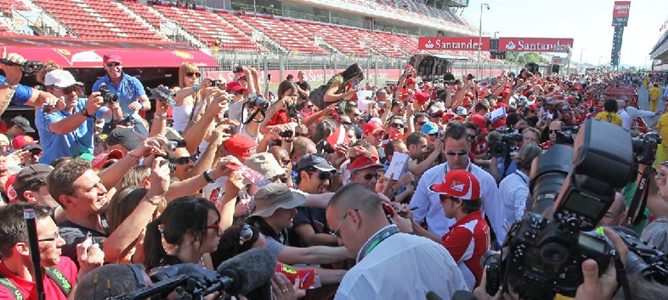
(288, 61)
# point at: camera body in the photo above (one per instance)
(507, 144)
(162, 93)
(106, 95)
(28, 67)
(571, 193)
(565, 136)
(645, 147)
(257, 102)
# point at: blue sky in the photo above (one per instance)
(588, 22)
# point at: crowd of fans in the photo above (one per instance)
(123, 186)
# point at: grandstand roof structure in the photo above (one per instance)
(239, 31)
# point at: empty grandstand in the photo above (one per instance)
(313, 34)
(659, 53)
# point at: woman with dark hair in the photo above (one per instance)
(187, 230)
(341, 86)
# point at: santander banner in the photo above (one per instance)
(535, 44)
(468, 43)
(621, 9)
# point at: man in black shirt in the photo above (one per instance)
(304, 88)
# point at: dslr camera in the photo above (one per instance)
(107, 95)
(572, 189)
(28, 67)
(644, 147)
(257, 102)
(507, 143)
(162, 93)
(566, 135)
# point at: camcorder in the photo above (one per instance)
(28, 67)
(162, 93)
(572, 189)
(507, 144)
(106, 95)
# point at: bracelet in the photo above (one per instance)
(161, 117)
(152, 202)
(207, 177)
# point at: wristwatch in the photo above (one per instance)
(85, 113)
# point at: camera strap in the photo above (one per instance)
(621, 276)
(639, 201)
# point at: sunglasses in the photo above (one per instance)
(370, 176)
(397, 125)
(346, 123)
(196, 74)
(111, 65)
(421, 123)
(183, 160)
(69, 89)
(462, 153)
(246, 234)
(323, 175)
(553, 131)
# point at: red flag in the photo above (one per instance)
(339, 136)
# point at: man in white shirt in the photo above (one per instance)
(515, 187)
(390, 264)
(426, 205)
(628, 113)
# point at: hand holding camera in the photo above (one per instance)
(94, 103)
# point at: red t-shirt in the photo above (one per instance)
(467, 241)
(29, 289)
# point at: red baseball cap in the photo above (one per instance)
(106, 159)
(239, 145)
(20, 141)
(410, 80)
(499, 123)
(112, 58)
(364, 162)
(458, 184)
(421, 97)
(479, 121)
(233, 87)
(373, 128)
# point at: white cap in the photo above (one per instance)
(60, 78)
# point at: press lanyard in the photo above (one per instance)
(521, 177)
(379, 237)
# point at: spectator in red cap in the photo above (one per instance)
(20, 141)
(129, 90)
(468, 239)
(373, 133)
(364, 170)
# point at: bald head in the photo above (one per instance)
(356, 196)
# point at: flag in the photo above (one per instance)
(339, 136)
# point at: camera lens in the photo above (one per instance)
(548, 172)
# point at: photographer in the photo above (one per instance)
(129, 91)
(515, 187)
(67, 129)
